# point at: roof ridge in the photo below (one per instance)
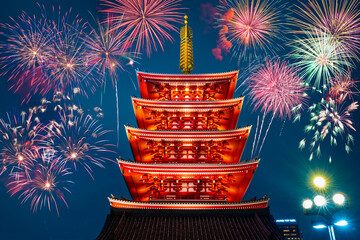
(190, 131)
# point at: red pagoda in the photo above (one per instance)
(187, 157)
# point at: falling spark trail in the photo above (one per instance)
(267, 130)
(133, 84)
(282, 128)
(262, 124)
(257, 125)
(117, 115)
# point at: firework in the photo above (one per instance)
(20, 135)
(147, 22)
(319, 58)
(78, 139)
(275, 88)
(329, 120)
(106, 48)
(44, 185)
(68, 70)
(43, 55)
(26, 46)
(25, 52)
(344, 87)
(336, 18)
(106, 52)
(251, 26)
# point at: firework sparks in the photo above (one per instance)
(44, 185)
(147, 22)
(43, 55)
(329, 119)
(79, 141)
(344, 87)
(276, 88)
(336, 18)
(26, 46)
(249, 26)
(106, 48)
(68, 70)
(20, 135)
(319, 58)
(106, 52)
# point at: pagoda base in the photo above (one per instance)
(190, 223)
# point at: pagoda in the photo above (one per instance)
(187, 159)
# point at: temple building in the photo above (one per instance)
(187, 180)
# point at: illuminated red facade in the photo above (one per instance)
(187, 150)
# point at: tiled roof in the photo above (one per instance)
(191, 224)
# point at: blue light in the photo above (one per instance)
(341, 223)
(286, 220)
(319, 226)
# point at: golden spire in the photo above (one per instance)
(186, 49)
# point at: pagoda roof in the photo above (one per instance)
(189, 136)
(189, 79)
(188, 168)
(188, 106)
(186, 205)
(212, 224)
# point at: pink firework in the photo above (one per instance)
(147, 22)
(44, 185)
(251, 26)
(106, 49)
(277, 88)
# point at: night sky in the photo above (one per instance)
(284, 173)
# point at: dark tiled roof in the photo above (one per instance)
(190, 225)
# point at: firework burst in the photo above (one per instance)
(329, 120)
(44, 185)
(68, 70)
(147, 22)
(106, 52)
(26, 46)
(343, 87)
(107, 48)
(250, 26)
(79, 140)
(275, 88)
(20, 135)
(43, 55)
(337, 18)
(319, 58)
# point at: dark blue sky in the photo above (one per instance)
(283, 174)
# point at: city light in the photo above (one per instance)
(285, 220)
(341, 223)
(319, 226)
(307, 204)
(320, 201)
(319, 182)
(339, 199)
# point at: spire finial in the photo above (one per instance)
(186, 50)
